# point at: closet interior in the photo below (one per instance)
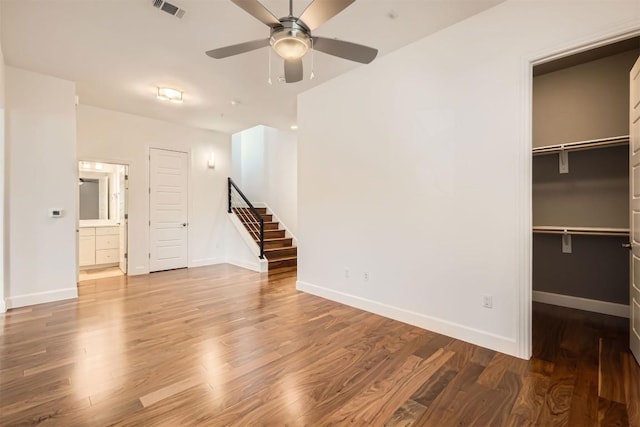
(581, 179)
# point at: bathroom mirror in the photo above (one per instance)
(101, 193)
(94, 195)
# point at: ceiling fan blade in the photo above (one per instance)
(346, 50)
(320, 11)
(236, 49)
(258, 11)
(293, 70)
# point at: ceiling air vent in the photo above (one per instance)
(169, 8)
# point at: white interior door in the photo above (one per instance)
(634, 155)
(167, 210)
(123, 184)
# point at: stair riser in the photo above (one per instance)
(261, 211)
(274, 234)
(280, 253)
(282, 264)
(279, 244)
(256, 226)
(244, 219)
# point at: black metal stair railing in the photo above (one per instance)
(239, 204)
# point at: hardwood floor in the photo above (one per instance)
(225, 346)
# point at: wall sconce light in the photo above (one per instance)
(168, 94)
(212, 160)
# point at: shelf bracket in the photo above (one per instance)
(566, 243)
(563, 160)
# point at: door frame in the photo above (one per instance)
(524, 298)
(112, 161)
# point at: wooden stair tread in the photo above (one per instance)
(284, 258)
(260, 210)
(280, 249)
(258, 223)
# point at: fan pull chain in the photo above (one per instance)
(269, 79)
(313, 75)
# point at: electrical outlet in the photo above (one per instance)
(487, 301)
(366, 276)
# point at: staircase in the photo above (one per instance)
(278, 249)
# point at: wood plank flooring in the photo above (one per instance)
(221, 346)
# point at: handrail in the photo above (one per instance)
(256, 214)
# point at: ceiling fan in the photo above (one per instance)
(291, 36)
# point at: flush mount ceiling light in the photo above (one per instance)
(169, 94)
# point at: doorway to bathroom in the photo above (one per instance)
(103, 220)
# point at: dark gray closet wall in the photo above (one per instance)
(595, 192)
(584, 102)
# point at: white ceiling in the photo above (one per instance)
(119, 51)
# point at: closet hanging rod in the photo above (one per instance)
(583, 231)
(582, 145)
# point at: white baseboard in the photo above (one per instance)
(204, 262)
(41, 297)
(258, 266)
(464, 333)
(603, 307)
(137, 271)
(3, 306)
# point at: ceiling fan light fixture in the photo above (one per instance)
(290, 44)
(169, 94)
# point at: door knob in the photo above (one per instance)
(627, 245)
(184, 224)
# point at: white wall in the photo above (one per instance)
(265, 169)
(416, 169)
(253, 179)
(281, 159)
(236, 157)
(105, 135)
(41, 171)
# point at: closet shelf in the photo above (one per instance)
(585, 231)
(582, 145)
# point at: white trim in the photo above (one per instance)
(244, 233)
(3, 305)
(596, 306)
(137, 271)
(525, 282)
(441, 326)
(259, 266)
(41, 297)
(283, 226)
(524, 339)
(202, 262)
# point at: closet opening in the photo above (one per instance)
(582, 196)
(102, 220)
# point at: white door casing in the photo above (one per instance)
(123, 180)
(634, 203)
(168, 171)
